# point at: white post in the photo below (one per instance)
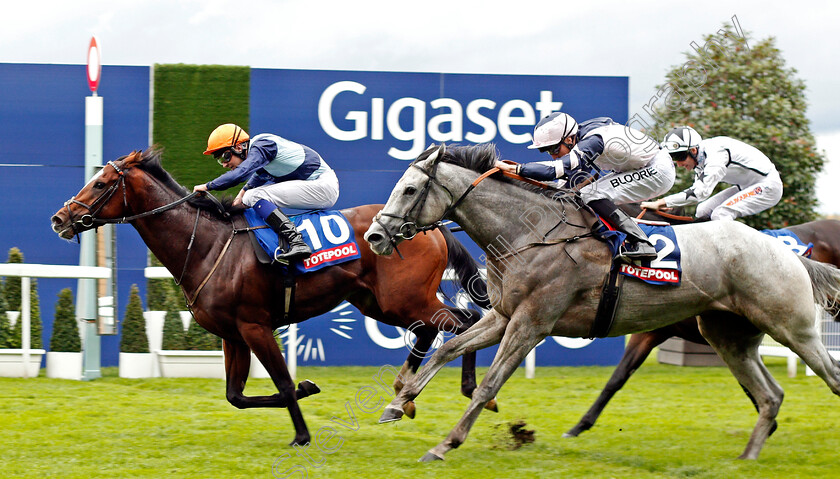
(291, 351)
(25, 340)
(530, 364)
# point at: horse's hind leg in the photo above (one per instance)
(805, 342)
(638, 348)
(736, 341)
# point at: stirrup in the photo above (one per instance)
(291, 255)
(278, 257)
(639, 253)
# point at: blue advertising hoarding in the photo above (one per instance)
(42, 157)
(369, 125)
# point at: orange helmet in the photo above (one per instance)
(225, 136)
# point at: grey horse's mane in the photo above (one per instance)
(151, 163)
(483, 157)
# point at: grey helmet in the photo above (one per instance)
(553, 129)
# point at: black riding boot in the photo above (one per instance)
(637, 245)
(298, 249)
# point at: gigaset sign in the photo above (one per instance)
(480, 121)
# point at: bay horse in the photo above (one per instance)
(236, 297)
(546, 270)
(825, 236)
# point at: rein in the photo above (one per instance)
(663, 214)
(89, 220)
(409, 229)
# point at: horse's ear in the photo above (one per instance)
(440, 152)
(436, 155)
(133, 158)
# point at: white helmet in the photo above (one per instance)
(681, 138)
(553, 129)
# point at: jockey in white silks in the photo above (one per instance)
(632, 166)
(756, 185)
(279, 173)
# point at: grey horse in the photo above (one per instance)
(546, 271)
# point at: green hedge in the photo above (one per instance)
(65, 331)
(134, 339)
(189, 102)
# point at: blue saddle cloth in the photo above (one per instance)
(792, 241)
(665, 269)
(327, 232)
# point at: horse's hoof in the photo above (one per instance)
(391, 414)
(570, 434)
(492, 405)
(300, 441)
(309, 387)
(429, 457)
(410, 409)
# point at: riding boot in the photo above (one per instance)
(637, 245)
(298, 249)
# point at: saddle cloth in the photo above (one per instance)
(327, 232)
(665, 269)
(792, 241)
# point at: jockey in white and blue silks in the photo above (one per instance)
(756, 185)
(632, 165)
(279, 173)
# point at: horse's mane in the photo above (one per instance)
(150, 162)
(483, 157)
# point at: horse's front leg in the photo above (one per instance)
(518, 340)
(425, 337)
(487, 332)
(261, 341)
(468, 382)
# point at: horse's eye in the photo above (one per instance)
(410, 190)
(99, 185)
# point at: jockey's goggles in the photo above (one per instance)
(552, 150)
(223, 156)
(679, 155)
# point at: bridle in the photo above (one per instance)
(409, 229)
(89, 220)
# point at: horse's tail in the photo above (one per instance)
(825, 281)
(460, 260)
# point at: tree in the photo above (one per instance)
(199, 339)
(133, 338)
(15, 340)
(65, 332)
(11, 285)
(729, 87)
(174, 336)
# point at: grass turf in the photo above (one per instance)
(667, 422)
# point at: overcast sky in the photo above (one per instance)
(640, 39)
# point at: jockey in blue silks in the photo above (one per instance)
(279, 173)
(635, 169)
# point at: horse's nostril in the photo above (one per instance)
(374, 238)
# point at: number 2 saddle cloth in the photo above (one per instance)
(666, 268)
